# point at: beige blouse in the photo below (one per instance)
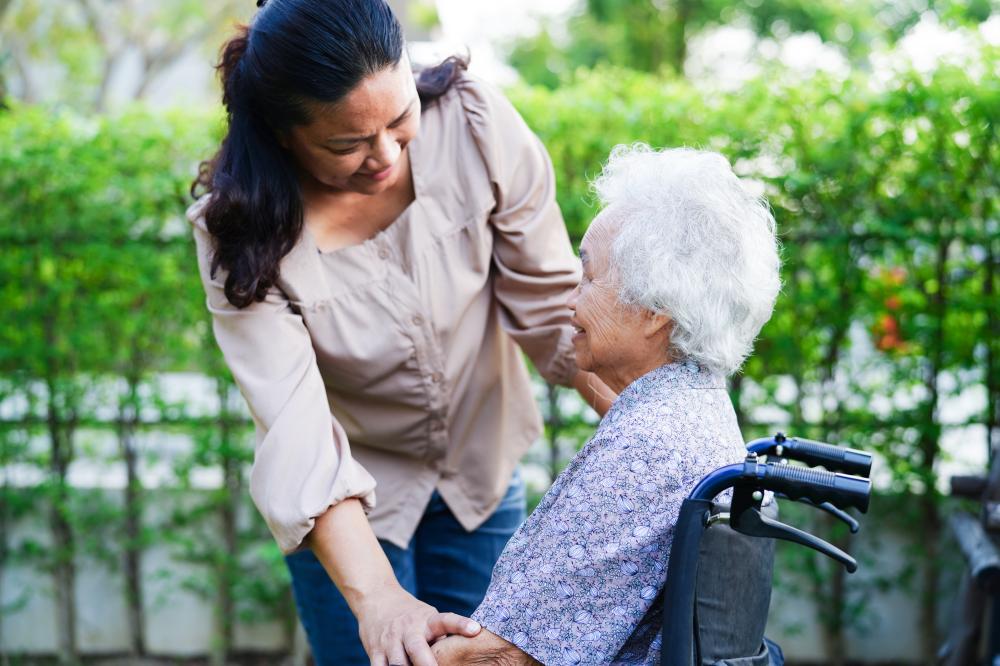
(397, 360)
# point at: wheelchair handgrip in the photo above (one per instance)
(970, 487)
(834, 458)
(817, 486)
(979, 550)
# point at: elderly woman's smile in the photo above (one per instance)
(617, 342)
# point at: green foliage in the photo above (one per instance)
(103, 295)
(72, 53)
(653, 36)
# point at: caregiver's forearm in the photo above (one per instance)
(395, 627)
(596, 393)
(344, 543)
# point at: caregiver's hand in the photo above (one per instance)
(396, 628)
(594, 391)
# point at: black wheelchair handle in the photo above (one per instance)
(840, 490)
(979, 551)
(834, 458)
(969, 487)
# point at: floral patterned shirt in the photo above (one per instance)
(580, 582)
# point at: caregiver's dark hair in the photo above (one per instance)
(292, 53)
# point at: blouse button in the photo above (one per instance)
(436, 377)
(383, 253)
(418, 320)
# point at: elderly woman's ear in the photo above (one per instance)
(656, 324)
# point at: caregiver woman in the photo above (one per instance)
(376, 252)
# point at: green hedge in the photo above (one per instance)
(885, 195)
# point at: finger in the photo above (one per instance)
(378, 659)
(397, 654)
(443, 624)
(420, 653)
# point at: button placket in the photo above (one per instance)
(429, 361)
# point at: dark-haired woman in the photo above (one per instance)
(376, 253)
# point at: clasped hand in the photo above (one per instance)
(397, 628)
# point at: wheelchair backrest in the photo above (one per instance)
(733, 594)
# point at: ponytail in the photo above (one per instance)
(434, 82)
(255, 210)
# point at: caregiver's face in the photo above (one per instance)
(358, 144)
(606, 331)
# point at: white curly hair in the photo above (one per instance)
(692, 244)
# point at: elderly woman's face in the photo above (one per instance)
(611, 340)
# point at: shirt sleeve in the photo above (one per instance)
(302, 461)
(535, 266)
(584, 574)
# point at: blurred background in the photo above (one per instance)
(126, 531)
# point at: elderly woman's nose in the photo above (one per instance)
(573, 295)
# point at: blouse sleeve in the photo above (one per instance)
(302, 462)
(535, 266)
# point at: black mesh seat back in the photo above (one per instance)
(733, 594)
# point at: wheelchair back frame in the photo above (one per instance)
(832, 490)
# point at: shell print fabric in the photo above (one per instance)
(580, 582)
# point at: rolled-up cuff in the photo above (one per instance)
(291, 534)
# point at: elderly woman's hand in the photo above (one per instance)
(397, 628)
(486, 648)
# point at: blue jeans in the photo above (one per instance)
(444, 566)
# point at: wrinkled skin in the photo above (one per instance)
(486, 648)
(616, 342)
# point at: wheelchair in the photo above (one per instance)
(974, 631)
(716, 616)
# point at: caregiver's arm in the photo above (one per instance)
(486, 649)
(393, 623)
(534, 267)
(595, 393)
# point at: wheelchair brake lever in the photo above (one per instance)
(745, 517)
(847, 518)
(752, 523)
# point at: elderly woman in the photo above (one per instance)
(680, 272)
